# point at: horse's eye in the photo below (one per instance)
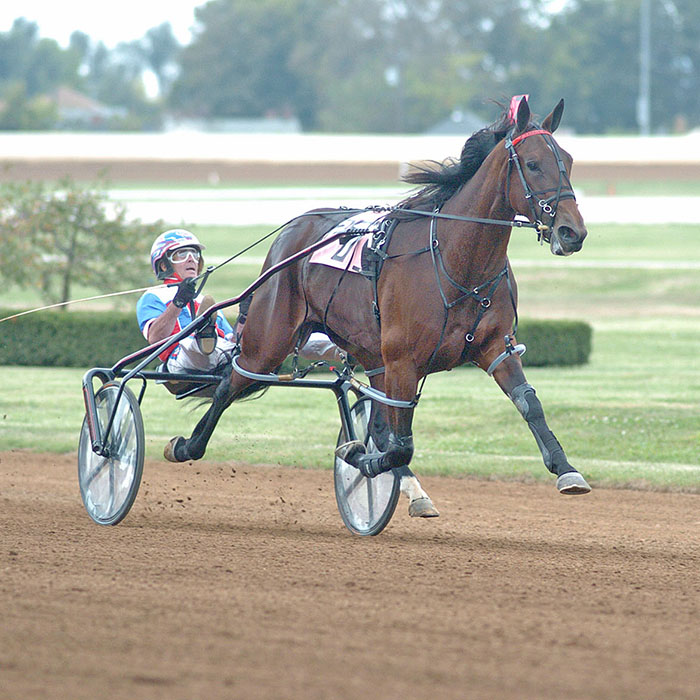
(532, 165)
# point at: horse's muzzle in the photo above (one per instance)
(567, 240)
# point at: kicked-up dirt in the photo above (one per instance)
(237, 581)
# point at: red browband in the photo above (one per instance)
(534, 132)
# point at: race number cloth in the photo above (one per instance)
(348, 255)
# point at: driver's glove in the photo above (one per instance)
(185, 293)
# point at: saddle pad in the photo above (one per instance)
(348, 255)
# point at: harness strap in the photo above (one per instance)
(369, 373)
(510, 350)
(517, 223)
(474, 293)
(534, 132)
(469, 337)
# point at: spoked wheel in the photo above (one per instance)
(365, 505)
(109, 483)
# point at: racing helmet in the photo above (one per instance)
(166, 243)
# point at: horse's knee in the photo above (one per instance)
(527, 403)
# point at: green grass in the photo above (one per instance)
(621, 243)
(629, 417)
(637, 188)
(550, 286)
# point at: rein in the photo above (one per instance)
(543, 230)
(516, 223)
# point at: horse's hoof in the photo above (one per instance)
(572, 483)
(177, 444)
(350, 450)
(422, 508)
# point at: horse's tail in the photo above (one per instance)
(252, 392)
(249, 393)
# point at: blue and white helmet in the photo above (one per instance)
(167, 242)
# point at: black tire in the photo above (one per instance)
(108, 485)
(365, 505)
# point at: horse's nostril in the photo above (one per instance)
(567, 234)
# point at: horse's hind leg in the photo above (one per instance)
(267, 338)
(510, 377)
(180, 449)
(391, 431)
(420, 505)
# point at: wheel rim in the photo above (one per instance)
(108, 484)
(365, 505)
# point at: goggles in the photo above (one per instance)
(182, 254)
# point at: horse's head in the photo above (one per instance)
(538, 184)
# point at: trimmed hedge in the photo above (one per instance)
(555, 343)
(100, 339)
(69, 339)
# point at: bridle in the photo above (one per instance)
(549, 204)
(485, 292)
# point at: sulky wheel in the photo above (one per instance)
(365, 505)
(109, 483)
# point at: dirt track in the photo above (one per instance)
(230, 581)
(201, 171)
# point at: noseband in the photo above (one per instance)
(547, 205)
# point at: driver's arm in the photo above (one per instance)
(163, 326)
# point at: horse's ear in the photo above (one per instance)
(552, 120)
(523, 117)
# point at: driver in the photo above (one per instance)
(176, 259)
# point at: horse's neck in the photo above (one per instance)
(473, 249)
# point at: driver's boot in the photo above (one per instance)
(206, 337)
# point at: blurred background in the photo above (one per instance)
(230, 117)
(378, 66)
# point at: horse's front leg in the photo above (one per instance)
(420, 505)
(400, 383)
(510, 377)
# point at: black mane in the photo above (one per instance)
(442, 180)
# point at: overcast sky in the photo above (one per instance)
(110, 22)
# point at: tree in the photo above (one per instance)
(53, 238)
(24, 113)
(341, 65)
(114, 77)
(241, 63)
(32, 69)
(16, 47)
(675, 61)
(40, 64)
(589, 54)
(160, 51)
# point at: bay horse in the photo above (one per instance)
(446, 294)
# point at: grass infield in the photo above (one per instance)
(630, 417)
